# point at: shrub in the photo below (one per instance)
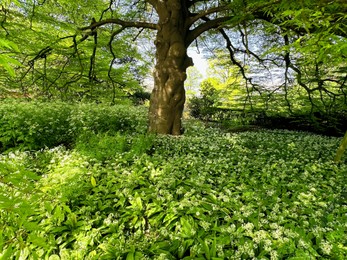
(101, 118)
(35, 125)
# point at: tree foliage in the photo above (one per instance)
(57, 61)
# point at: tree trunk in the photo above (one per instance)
(168, 96)
(341, 149)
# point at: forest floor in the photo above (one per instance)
(115, 192)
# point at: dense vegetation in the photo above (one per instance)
(45, 58)
(119, 193)
(36, 125)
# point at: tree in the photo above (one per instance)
(202, 107)
(194, 78)
(57, 62)
(175, 31)
(341, 149)
(179, 23)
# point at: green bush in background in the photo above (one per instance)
(35, 125)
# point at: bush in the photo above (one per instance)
(35, 125)
(328, 124)
(111, 119)
(332, 125)
(140, 97)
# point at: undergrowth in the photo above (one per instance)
(205, 195)
(37, 125)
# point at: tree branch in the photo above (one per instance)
(125, 24)
(198, 16)
(195, 33)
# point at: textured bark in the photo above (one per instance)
(168, 96)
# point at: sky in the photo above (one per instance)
(199, 62)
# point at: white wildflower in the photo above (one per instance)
(267, 245)
(326, 247)
(302, 243)
(205, 225)
(322, 204)
(276, 233)
(273, 255)
(274, 226)
(259, 236)
(248, 226)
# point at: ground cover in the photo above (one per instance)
(206, 195)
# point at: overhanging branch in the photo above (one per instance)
(124, 24)
(198, 16)
(208, 25)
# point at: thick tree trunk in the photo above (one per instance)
(168, 96)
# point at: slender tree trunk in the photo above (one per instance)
(168, 96)
(341, 149)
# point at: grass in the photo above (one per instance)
(205, 195)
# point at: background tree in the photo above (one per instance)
(194, 78)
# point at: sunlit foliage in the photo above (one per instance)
(205, 195)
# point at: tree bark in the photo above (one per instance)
(168, 96)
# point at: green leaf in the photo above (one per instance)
(6, 254)
(53, 257)
(187, 226)
(206, 248)
(37, 240)
(214, 247)
(6, 62)
(8, 44)
(131, 255)
(93, 181)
